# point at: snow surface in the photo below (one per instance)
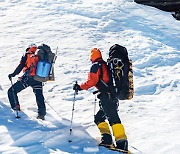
(152, 38)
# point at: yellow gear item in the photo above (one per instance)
(118, 132)
(104, 128)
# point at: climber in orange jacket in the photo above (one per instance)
(99, 77)
(28, 66)
(95, 72)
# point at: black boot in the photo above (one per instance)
(106, 140)
(17, 108)
(122, 144)
(40, 117)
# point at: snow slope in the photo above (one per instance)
(152, 38)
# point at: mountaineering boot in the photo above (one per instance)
(40, 117)
(17, 108)
(120, 136)
(106, 138)
(122, 144)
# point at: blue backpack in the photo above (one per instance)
(45, 65)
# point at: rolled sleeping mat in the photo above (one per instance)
(43, 69)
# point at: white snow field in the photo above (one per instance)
(152, 38)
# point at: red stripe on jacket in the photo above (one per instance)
(93, 77)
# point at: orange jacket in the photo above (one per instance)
(95, 74)
(28, 60)
(31, 64)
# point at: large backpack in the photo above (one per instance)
(46, 59)
(121, 74)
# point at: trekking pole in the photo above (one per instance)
(95, 99)
(136, 149)
(53, 109)
(1, 88)
(95, 105)
(17, 115)
(74, 99)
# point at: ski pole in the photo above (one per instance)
(74, 99)
(13, 91)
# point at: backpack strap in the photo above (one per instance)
(101, 83)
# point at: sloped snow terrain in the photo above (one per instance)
(152, 38)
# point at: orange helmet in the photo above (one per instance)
(32, 47)
(95, 54)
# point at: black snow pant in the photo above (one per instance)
(108, 109)
(23, 84)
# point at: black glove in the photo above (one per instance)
(77, 87)
(27, 49)
(10, 76)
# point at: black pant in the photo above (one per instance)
(23, 84)
(108, 109)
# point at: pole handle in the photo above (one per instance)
(76, 91)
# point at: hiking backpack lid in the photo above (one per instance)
(120, 70)
(44, 53)
(118, 51)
